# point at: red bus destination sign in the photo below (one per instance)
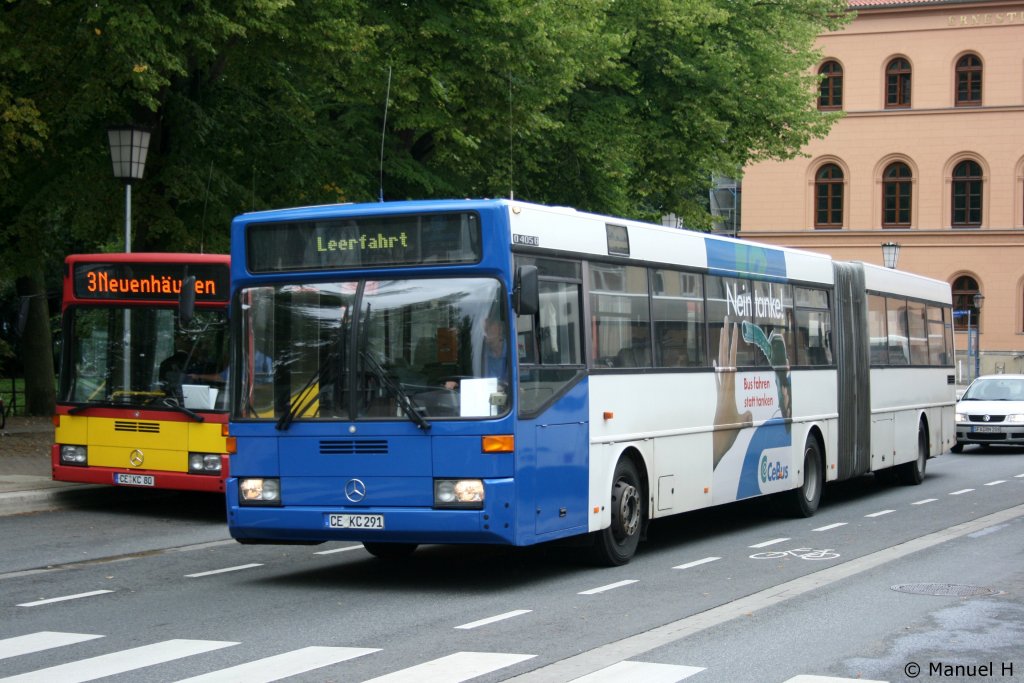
(149, 281)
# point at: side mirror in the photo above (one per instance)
(187, 300)
(525, 292)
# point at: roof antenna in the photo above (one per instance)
(383, 130)
(206, 200)
(511, 164)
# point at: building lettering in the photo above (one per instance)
(988, 18)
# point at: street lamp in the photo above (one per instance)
(979, 299)
(890, 254)
(128, 148)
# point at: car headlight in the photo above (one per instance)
(1015, 418)
(961, 417)
(259, 491)
(204, 463)
(73, 455)
(458, 493)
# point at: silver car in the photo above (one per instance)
(991, 411)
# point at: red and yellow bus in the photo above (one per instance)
(143, 399)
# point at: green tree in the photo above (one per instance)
(618, 107)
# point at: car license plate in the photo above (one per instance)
(985, 428)
(135, 479)
(340, 521)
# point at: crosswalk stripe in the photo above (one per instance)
(43, 640)
(461, 666)
(828, 679)
(640, 671)
(119, 662)
(282, 666)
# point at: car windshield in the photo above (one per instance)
(996, 389)
(374, 349)
(145, 358)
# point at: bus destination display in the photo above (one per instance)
(149, 281)
(365, 241)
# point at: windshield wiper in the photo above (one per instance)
(299, 407)
(405, 401)
(169, 403)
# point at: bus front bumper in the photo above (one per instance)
(131, 478)
(493, 524)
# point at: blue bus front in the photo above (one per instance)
(374, 362)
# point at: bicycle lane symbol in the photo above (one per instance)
(802, 553)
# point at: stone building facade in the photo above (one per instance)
(929, 155)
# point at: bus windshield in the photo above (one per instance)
(143, 358)
(434, 346)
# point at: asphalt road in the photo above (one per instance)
(156, 591)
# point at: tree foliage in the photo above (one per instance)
(618, 107)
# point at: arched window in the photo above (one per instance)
(828, 197)
(897, 192)
(964, 289)
(830, 92)
(968, 81)
(897, 84)
(967, 185)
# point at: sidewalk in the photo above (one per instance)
(25, 483)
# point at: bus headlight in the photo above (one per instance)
(73, 455)
(204, 463)
(253, 491)
(458, 493)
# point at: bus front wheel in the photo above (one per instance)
(617, 544)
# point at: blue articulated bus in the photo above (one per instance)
(492, 371)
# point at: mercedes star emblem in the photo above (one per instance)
(355, 490)
(136, 458)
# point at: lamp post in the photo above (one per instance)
(128, 148)
(979, 299)
(890, 254)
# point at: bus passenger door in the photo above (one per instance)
(553, 406)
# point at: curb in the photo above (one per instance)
(44, 500)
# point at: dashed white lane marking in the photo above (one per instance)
(37, 642)
(455, 668)
(960, 492)
(765, 544)
(610, 586)
(491, 620)
(879, 513)
(830, 526)
(339, 550)
(47, 601)
(696, 563)
(926, 500)
(1018, 476)
(633, 646)
(222, 571)
(282, 666)
(997, 481)
(640, 671)
(120, 662)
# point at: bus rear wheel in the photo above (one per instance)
(617, 544)
(803, 501)
(912, 473)
(390, 551)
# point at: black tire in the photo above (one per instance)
(956, 448)
(616, 545)
(390, 551)
(804, 501)
(912, 473)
